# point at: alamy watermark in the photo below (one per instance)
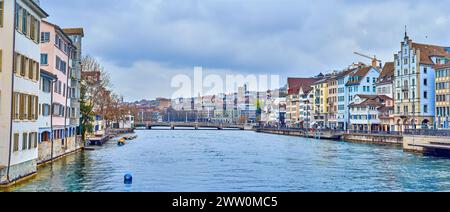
(202, 84)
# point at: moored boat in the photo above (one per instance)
(132, 137)
(121, 142)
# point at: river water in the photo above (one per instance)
(201, 161)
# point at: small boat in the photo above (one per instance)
(98, 140)
(129, 138)
(121, 142)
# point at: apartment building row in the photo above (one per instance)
(412, 92)
(39, 90)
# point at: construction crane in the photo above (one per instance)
(374, 59)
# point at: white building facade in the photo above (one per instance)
(20, 35)
(415, 84)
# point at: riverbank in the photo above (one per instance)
(320, 134)
(49, 153)
(380, 139)
(422, 144)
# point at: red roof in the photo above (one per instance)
(427, 51)
(294, 84)
(387, 74)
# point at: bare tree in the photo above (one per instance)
(95, 94)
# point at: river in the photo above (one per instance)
(210, 160)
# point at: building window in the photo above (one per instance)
(425, 70)
(25, 107)
(26, 67)
(16, 142)
(425, 109)
(24, 141)
(46, 84)
(44, 59)
(45, 37)
(24, 21)
(425, 95)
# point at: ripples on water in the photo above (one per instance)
(242, 161)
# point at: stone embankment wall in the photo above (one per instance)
(374, 139)
(71, 145)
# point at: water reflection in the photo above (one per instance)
(242, 161)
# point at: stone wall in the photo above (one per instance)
(44, 151)
(18, 171)
(374, 138)
(28, 168)
(410, 142)
(45, 148)
(320, 135)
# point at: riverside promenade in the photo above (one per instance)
(429, 142)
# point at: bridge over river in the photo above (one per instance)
(189, 125)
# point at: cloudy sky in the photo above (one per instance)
(144, 43)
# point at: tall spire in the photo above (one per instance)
(406, 33)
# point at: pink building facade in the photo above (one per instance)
(56, 53)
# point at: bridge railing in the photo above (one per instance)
(427, 132)
(301, 129)
(189, 124)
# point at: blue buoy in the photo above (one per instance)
(128, 179)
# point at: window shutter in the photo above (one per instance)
(14, 110)
(23, 66)
(30, 69)
(21, 107)
(30, 140)
(35, 140)
(1, 59)
(18, 63)
(38, 72)
(30, 107)
(24, 141)
(36, 107)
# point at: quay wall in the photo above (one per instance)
(281, 132)
(71, 144)
(320, 135)
(17, 172)
(382, 139)
(410, 142)
(374, 139)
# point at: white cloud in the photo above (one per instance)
(288, 37)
